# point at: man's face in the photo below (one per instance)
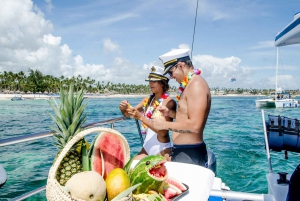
(171, 70)
(176, 72)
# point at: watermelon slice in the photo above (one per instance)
(111, 148)
(176, 183)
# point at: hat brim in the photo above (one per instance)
(153, 79)
(156, 77)
(169, 68)
(174, 62)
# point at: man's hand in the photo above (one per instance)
(163, 110)
(158, 123)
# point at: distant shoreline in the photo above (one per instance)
(92, 96)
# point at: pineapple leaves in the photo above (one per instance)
(69, 115)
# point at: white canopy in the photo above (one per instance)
(290, 35)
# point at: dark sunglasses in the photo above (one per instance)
(170, 71)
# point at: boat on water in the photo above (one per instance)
(281, 98)
(17, 98)
(290, 35)
(267, 102)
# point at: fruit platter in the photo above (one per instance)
(109, 173)
(104, 170)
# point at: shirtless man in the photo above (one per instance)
(192, 112)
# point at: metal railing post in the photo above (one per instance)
(266, 141)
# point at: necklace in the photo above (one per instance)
(185, 81)
(152, 106)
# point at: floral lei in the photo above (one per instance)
(148, 114)
(185, 82)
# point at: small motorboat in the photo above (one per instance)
(17, 98)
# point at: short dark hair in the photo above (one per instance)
(188, 63)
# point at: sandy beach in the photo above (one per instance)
(47, 97)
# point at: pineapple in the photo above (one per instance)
(69, 120)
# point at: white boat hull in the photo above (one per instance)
(265, 102)
(3, 176)
(287, 103)
(279, 191)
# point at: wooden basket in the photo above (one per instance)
(54, 191)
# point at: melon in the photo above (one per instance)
(178, 191)
(88, 185)
(176, 183)
(109, 150)
(169, 192)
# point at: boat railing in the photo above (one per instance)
(35, 136)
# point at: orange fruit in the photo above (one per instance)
(116, 182)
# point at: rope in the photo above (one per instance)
(194, 30)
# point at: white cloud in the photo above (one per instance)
(270, 82)
(66, 51)
(128, 72)
(218, 71)
(110, 46)
(50, 39)
(183, 46)
(27, 42)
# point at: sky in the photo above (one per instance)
(118, 41)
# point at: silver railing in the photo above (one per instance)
(35, 136)
(266, 141)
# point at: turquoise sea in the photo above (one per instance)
(234, 132)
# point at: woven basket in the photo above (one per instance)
(54, 191)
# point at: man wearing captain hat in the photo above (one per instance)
(194, 102)
(157, 142)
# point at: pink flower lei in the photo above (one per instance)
(151, 109)
(185, 81)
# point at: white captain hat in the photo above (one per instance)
(156, 74)
(171, 58)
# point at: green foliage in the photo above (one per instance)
(36, 82)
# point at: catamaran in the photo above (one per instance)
(290, 35)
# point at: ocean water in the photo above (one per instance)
(234, 132)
